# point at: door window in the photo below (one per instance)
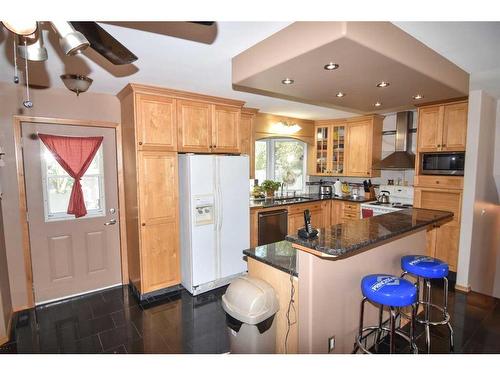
(57, 185)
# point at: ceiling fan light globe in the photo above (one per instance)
(76, 83)
(23, 28)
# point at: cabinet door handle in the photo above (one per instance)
(211, 146)
(143, 224)
(439, 146)
(140, 143)
(215, 146)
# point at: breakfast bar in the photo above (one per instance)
(326, 272)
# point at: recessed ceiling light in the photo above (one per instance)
(287, 81)
(418, 97)
(377, 104)
(340, 94)
(383, 84)
(331, 66)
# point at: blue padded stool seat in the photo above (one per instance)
(389, 290)
(424, 266)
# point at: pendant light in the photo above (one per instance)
(76, 83)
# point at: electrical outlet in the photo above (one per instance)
(331, 344)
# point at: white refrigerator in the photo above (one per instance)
(214, 219)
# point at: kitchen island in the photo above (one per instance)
(328, 271)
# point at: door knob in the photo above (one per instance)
(111, 222)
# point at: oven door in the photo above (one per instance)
(442, 163)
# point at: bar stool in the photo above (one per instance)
(394, 292)
(427, 268)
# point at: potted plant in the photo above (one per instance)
(270, 186)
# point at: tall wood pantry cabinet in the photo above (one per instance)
(151, 190)
(441, 128)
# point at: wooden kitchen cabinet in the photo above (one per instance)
(442, 127)
(336, 212)
(296, 215)
(226, 129)
(455, 127)
(205, 127)
(347, 147)
(442, 241)
(194, 126)
(350, 211)
(247, 138)
(429, 128)
(151, 189)
(358, 152)
(156, 122)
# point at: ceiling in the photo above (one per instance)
(187, 65)
(473, 46)
(166, 61)
(367, 53)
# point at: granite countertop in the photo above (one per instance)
(347, 239)
(280, 255)
(302, 198)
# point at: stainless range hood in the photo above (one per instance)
(402, 158)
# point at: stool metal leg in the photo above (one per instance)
(445, 312)
(412, 324)
(379, 331)
(360, 331)
(427, 315)
(392, 336)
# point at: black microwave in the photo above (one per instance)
(442, 163)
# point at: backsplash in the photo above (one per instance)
(388, 142)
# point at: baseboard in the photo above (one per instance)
(22, 308)
(462, 289)
(8, 331)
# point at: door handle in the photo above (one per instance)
(111, 222)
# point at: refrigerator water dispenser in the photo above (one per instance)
(203, 210)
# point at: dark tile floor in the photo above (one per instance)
(113, 321)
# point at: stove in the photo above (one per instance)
(400, 198)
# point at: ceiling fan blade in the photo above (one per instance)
(196, 31)
(104, 43)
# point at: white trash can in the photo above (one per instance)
(251, 305)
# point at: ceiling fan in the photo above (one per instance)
(76, 36)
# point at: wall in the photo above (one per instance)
(264, 127)
(5, 300)
(479, 252)
(388, 147)
(59, 103)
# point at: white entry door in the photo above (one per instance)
(71, 256)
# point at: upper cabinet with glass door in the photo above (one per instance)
(337, 149)
(329, 149)
(322, 161)
(347, 147)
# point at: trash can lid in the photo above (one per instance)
(250, 300)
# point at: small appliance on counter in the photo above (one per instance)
(337, 188)
(325, 190)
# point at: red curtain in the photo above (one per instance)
(74, 154)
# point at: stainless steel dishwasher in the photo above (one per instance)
(273, 226)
